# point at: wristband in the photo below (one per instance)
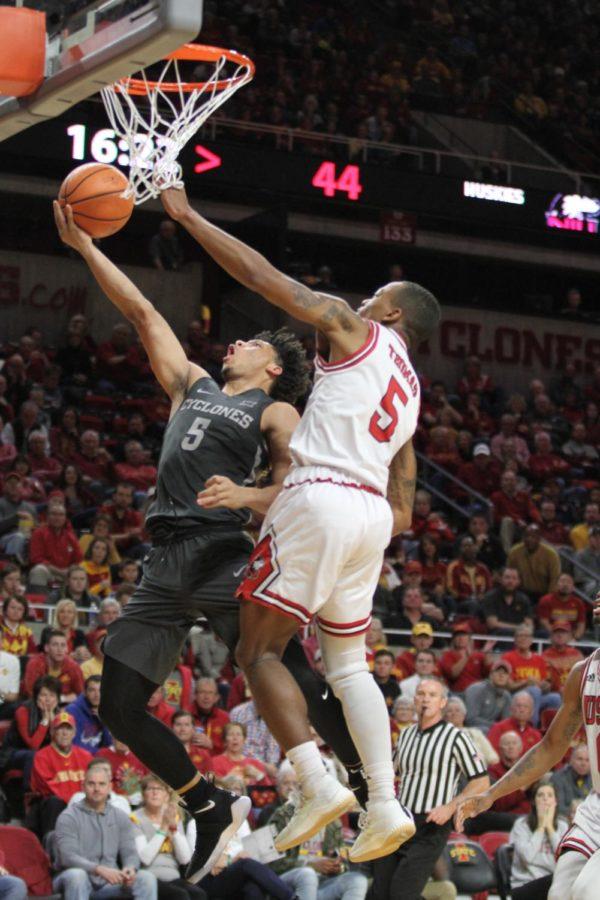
(161, 832)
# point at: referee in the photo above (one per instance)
(430, 758)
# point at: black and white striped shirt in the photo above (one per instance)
(430, 763)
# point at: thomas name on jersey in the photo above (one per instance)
(215, 409)
(407, 373)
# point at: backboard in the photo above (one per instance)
(104, 40)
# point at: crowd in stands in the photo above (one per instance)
(318, 72)
(512, 560)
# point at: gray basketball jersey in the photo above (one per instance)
(210, 434)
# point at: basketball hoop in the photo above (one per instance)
(157, 118)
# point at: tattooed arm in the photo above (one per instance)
(540, 759)
(331, 315)
(401, 487)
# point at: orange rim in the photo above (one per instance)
(192, 53)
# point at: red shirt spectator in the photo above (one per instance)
(136, 470)
(508, 434)
(55, 544)
(233, 761)
(44, 467)
(527, 667)
(183, 727)
(119, 360)
(92, 460)
(544, 464)
(552, 531)
(560, 657)
(54, 661)
(467, 579)
(511, 503)
(16, 637)
(528, 734)
(178, 688)
(126, 522)
(59, 768)
(563, 605)
(483, 473)
(474, 380)
(425, 521)
(208, 716)
(239, 693)
(127, 769)
(461, 665)
(516, 802)
(159, 707)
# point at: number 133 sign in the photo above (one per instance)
(397, 228)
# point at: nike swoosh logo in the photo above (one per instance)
(210, 805)
(325, 694)
(202, 391)
(239, 571)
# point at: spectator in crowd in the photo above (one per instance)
(158, 707)
(559, 656)
(65, 620)
(520, 721)
(582, 456)
(504, 812)
(17, 637)
(513, 509)
(43, 466)
(544, 463)
(126, 522)
(455, 713)
(128, 571)
(462, 665)
(427, 521)
(10, 582)
(489, 701)
(97, 567)
(118, 361)
(95, 664)
(164, 247)
(160, 841)
(64, 436)
(76, 588)
(58, 771)
(424, 667)
(136, 470)
(505, 607)
(580, 534)
(535, 839)
(538, 564)
(234, 759)
(108, 611)
(28, 419)
(53, 549)
(11, 887)
(210, 653)
(94, 462)
(92, 837)
(415, 609)
(588, 578)
(433, 570)
(466, 579)
(483, 472)
(30, 729)
(183, 726)
(90, 733)
(508, 432)
(530, 673)
(124, 593)
(421, 638)
(286, 783)
(10, 677)
(117, 800)
(127, 771)
(55, 661)
(552, 531)
(564, 606)
(259, 740)
(385, 680)
(489, 548)
(178, 687)
(17, 518)
(101, 529)
(573, 781)
(208, 716)
(403, 715)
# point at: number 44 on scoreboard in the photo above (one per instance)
(348, 181)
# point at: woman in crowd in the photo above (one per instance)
(233, 761)
(64, 437)
(101, 529)
(97, 567)
(66, 619)
(403, 715)
(161, 841)
(30, 729)
(80, 502)
(434, 571)
(11, 584)
(17, 637)
(32, 488)
(76, 589)
(535, 838)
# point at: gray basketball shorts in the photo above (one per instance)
(181, 581)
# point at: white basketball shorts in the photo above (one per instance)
(320, 551)
(584, 834)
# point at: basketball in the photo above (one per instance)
(96, 193)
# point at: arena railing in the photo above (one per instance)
(424, 159)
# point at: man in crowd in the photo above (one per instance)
(91, 734)
(580, 534)
(93, 461)
(43, 466)
(508, 432)
(505, 607)
(58, 770)
(53, 548)
(489, 548)
(56, 662)
(95, 847)
(208, 716)
(425, 662)
(559, 656)
(538, 564)
(530, 673)
(489, 701)
(462, 665)
(259, 742)
(588, 579)
(421, 638)
(183, 726)
(126, 522)
(482, 473)
(466, 579)
(108, 611)
(415, 609)
(14, 510)
(127, 771)
(519, 721)
(573, 781)
(552, 530)
(513, 509)
(118, 360)
(385, 680)
(564, 606)
(136, 470)
(504, 812)
(544, 463)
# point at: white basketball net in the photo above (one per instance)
(157, 124)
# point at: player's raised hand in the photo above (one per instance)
(220, 491)
(471, 807)
(175, 202)
(68, 231)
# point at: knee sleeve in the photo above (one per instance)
(345, 660)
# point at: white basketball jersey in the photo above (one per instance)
(361, 411)
(590, 700)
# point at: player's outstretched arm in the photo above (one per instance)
(167, 358)
(328, 314)
(540, 758)
(401, 487)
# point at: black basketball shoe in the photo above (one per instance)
(217, 820)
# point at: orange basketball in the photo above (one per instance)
(96, 192)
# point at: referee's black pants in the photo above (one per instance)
(405, 873)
